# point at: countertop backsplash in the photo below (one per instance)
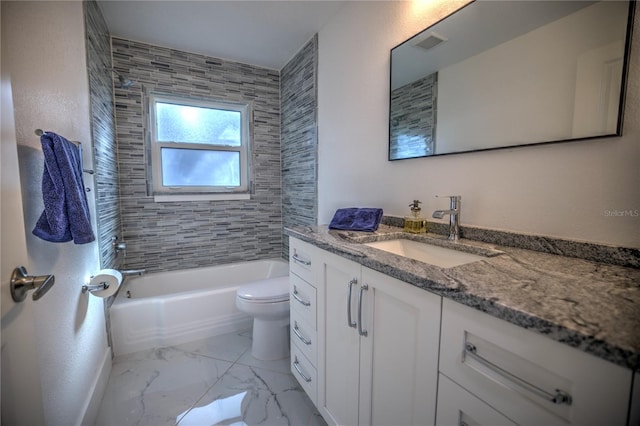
(621, 256)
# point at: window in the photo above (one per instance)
(199, 147)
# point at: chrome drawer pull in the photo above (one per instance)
(296, 365)
(295, 296)
(560, 396)
(296, 331)
(360, 330)
(300, 260)
(349, 321)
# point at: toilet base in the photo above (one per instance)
(270, 339)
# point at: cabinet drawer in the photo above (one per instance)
(304, 336)
(456, 406)
(301, 259)
(305, 373)
(519, 372)
(303, 299)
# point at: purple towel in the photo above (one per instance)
(66, 211)
(356, 219)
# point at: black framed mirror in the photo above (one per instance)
(502, 74)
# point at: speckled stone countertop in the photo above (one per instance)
(592, 306)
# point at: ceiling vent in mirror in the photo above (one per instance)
(429, 40)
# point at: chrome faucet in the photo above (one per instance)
(454, 215)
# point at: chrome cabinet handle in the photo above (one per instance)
(296, 331)
(559, 397)
(349, 321)
(296, 365)
(21, 283)
(360, 330)
(295, 296)
(300, 260)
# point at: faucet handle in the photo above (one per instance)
(457, 197)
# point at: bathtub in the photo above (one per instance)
(171, 308)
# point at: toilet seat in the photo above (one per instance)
(271, 290)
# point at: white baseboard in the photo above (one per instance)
(96, 392)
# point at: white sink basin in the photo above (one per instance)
(427, 253)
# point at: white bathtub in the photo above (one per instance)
(171, 308)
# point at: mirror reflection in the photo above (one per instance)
(504, 74)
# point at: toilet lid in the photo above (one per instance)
(271, 289)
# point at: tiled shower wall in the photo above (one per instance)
(299, 104)
(179, 235)
(103, 132)
(413, 116)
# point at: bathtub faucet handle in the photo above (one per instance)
(118, 246)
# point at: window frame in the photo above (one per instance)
(199, 191)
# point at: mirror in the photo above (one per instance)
(503, 74)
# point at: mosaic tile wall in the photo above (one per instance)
(180, 235)
(98, 45)
(299, 141)
(413, 116)
(105, 165)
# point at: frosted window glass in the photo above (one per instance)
(192, 167)
(190, 124)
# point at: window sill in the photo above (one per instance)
(167, 198)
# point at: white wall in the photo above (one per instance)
(564, 190)
(47, 62)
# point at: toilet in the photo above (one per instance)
(267, 301)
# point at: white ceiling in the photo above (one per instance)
(264, 33)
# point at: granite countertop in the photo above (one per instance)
(592, 306)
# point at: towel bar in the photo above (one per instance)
(40, 132)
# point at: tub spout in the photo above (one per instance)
(130, 272)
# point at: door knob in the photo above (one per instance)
(21, 283)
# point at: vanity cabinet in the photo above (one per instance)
(369, 349)
(634, 411)
(378, 349)
(528, 378)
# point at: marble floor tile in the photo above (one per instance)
(227, 347)
(252, 396)
(154, 387)
(208, 382)
(281, 365)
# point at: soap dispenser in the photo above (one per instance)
(415, 223)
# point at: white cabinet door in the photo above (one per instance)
(378, 347)
(399, 355)
(339, 345)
